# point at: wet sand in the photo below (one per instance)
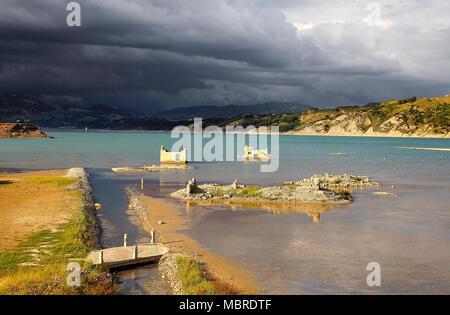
(169, 234)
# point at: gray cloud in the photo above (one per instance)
(160, 53)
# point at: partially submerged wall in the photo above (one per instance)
(167, 157)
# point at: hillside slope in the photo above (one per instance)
(186, 113)
(423, 117)
(24, 107)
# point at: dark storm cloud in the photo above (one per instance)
(167, 53)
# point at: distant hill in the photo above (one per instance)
(187, 113)
(420, 117)
(23, 107)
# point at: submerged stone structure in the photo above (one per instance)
(251, 154)
(167, 157)
(317, 189)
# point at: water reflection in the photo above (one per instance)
(313, 210)
(142, 281)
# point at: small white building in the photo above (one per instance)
(167, 157)
(251, 154)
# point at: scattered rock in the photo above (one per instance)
(83, 186)
(318, 188)
(152, 168)
(168, 270)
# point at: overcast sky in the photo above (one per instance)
(154, 54)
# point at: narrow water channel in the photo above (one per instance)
(116, 219)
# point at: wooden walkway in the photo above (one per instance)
(116, 257)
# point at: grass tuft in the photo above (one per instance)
(60, 181)
(51, 251)
(250, 191)
(195, 280)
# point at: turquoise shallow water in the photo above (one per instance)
(409, 234)
(300, 156)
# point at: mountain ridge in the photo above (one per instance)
(411, 117)
(204, 111)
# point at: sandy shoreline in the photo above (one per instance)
(169, 234)
(287, 133)
(426, 149)
(366, 135)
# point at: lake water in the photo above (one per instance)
(408, 234)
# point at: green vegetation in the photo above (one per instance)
(407, 100)
(246, 192)
(195, 280)
(410, 115)
(60, 181)
(37, 265)
(250, 191)
(285, 122)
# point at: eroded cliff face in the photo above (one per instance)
(361, 125)
(418, 118)
(18, 130)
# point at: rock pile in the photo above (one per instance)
(168, 271)
(318, 188)
(137, 205)
(336, 182)
(83, 186)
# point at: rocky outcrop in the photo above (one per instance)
(18, 130)
(412, 117)
(235, 185)
(319, 188)
(336, 183)
(192, 188)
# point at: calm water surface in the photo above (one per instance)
(409, 234)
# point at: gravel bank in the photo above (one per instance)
(83, 186)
